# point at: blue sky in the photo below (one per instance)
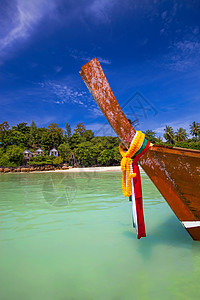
(150, 49)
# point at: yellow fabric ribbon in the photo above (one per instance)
(126, 162)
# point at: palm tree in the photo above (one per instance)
(195, 129)
(150, 135)
(159, 140)
(169, 135)
(181, 135)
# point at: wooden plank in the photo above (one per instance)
(95, 80)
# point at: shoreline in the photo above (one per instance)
(88, 169)
(76, 170)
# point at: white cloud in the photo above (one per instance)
(60, 93)
(58, 69)
(196, 30)
(101, 59)
(100, 10)
(104, 60)
(26, 17)
(19, 20)
(164, 14)
(96, 112)
(81, 55)
(168, 17)
(184, 55)
(63, 93)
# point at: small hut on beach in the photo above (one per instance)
(28, 154)
(54, 152)
(39, 151)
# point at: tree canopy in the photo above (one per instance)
(169, 134)
(80, 129)
(195, 129)
(88, 149)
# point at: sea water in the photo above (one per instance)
(70, 236)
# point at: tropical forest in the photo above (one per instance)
(85, 148)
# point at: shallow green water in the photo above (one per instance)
(70, 236)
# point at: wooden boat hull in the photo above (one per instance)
(174, 171)
(176, 174)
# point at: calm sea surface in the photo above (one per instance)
(69, 236)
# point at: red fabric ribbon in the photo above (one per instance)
(138, 194)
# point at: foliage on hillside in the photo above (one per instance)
(88, 149)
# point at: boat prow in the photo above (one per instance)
(176, 174)
(174, 171)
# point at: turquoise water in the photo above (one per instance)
(69, 236)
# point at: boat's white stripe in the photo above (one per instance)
(190, 224)
(134, 207)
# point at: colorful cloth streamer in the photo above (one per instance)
(137, 203)
(131, 180)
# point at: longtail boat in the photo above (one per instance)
(174, 171)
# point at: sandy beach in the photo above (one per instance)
(75, 170)
(89, 169)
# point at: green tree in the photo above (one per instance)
(33, 126)
(12, 157)
(159, 140)
(195, 129)
(181, 135)
(68, 133)
(150, 136)
(53, 127)
(116, 154)
(32, 135)
(54, 137)
(15, 137)
(106, 142)
(38, 137)
(87, 153)
(80, 129)
(88, 135)
(169, 135)
(48, 140)
(75, 140)
(97, 141)
(57, 160)
(64, 151)
(21, 127)
(111, 142)
(106, 157)
(3, 131)
(41, 160)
